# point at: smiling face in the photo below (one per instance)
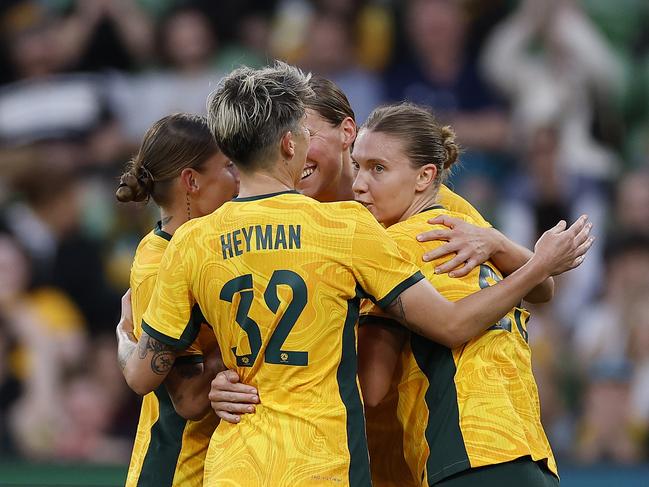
(385, 180)
(324, 160)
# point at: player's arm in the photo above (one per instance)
(149, 364)
(379, 345)
(189, 381)
(423, 310)
(126, 341)
(474, 245)
(127, 344)
(170, 323)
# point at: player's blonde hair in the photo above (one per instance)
(251, 109)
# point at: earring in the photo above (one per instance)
(189, 211)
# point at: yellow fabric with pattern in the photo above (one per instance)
(168, 450)
(280, 278)
(473, 406)
(389, 468)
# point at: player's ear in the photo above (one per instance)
(348, 131)
(425, 177)
(189, 180)
(287, 145)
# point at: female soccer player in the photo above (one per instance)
(288, 273)
(179, 166)
(328, 176)
(470, 414)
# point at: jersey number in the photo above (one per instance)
(505, 323)
(274, 353)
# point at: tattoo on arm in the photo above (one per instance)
(163, 355)
(398, 310)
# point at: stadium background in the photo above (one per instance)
(550, 99)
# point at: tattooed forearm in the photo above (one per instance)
(163, 355)
(398, 310)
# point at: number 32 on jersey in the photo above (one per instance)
(274, 354)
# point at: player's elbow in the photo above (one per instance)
(375, 383)
(190, 403)
(372, 396)
(542, 294)
(454, 333)
(137, 383)
(192, 410)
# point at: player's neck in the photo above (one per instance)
(345, 192)
(172, 218)
(420, 203)
(258, 183)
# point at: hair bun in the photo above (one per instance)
(134, 185)
(450, 147)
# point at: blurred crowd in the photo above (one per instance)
(550, 101)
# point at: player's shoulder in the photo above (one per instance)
(348, 208)
(194, 229)
(349, 212)
(148, 256)
(151, 246)
(456, 203)
(416, 224)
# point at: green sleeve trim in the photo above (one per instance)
(378, 321)
(188, 336)
(405, 284)
(189, 359)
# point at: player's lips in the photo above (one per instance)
(364, 203)
(308, 170)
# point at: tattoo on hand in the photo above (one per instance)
(163, 355)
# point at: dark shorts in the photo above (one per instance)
(519, 472)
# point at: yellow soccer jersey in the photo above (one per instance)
(455, 203)
(389, 468)
(280, 278)
(168, 450)
(475, 405)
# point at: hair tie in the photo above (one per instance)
(147, 174)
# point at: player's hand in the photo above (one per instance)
(230, 398)
(472, 245)
(560, 249)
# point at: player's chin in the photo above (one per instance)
(309, 185)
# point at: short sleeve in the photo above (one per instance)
(172, 316)
(379, 268)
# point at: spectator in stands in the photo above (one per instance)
(632, 202)
(605, 432)
(188, 46)
(46, 222)
(558, 86)
(442, 76)
(330, 52)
